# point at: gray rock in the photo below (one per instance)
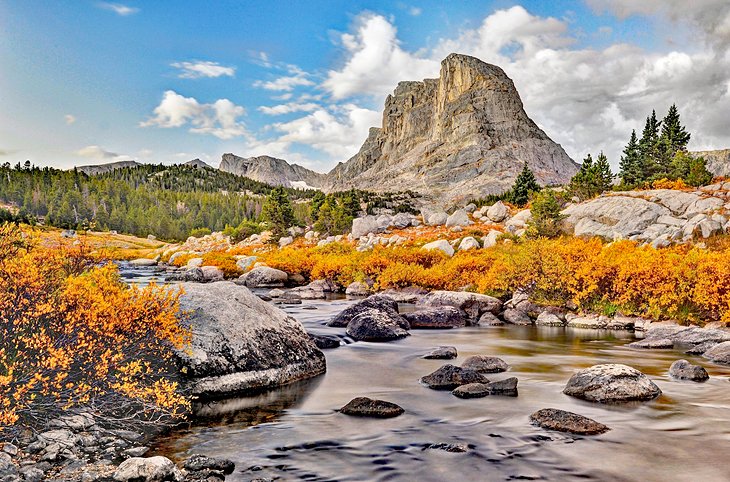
(498, 212)
(143, 262)
(241, 343)
(197, 462)
(325, 342)
(264, 277)
(562, 421)
(489, 319)
(448, 447)
(448, 377)
(491, 238)
(63, 437)
(357, 288)
(440, 245)
(195, 263)
(468, 243)
(285, 241)
(506, 387)
(368, 407)
(377, 325)
(441, 353)
(684, 370)
(719, 353)
(135, 451)
(471, 390)
(152, 469)
(379, 302)
(10, 449)
(485, 364)
(364, 226)
(610, 383)
(515, 316)
(193, 275)
(437, 317)
(473, 304)
(458, 218)
(32, 474)
(549, 318)
(246, 262)
(212, 273)
(653, 344)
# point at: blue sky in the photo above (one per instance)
(167, 81)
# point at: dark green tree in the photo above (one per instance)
(603, 172)
(316, 203)
(674, 133)
(524, 185)
(693, 170)
(632, 172)
(546, 217)
(278, 213)
(649, 146)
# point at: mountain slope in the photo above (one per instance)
(272, 171)
(460, 136)
(96, 169)
(718, 162)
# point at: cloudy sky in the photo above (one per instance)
(167, 81)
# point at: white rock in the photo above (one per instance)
(491, 238)
(195, 263)
(498, 212)
(245, 262)
(470, 208)
(441, 245)
(285, 241)
(152, 469)
(363, 226)
(468, 243)
(458, 218)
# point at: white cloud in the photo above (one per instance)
(70, 119)
(119, 9)
(415, 11)
(287, 83)
(219, 118)
(198, 69)
(288, 108)
(96, 152)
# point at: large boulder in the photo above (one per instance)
(468, 243)
(437, 317)
(264, 277)
(562, 421)
(719, 353)
(610, 383)
(684, 370)
(358, 288)
(434, 218)
(441, 245)
(378, 302)
(377, 325)
(449, 377)
(485, 364)
(240, 343)
(458, 218)
(151, 469)
(364, 226)
(472, 304)
(498, 212)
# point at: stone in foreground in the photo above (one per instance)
(198, 463)
(485, 364)
(562, 421)
(242, 344)
(441, 353)
(368, 407)
(611, 383)
(684, 370)
(448, 377)
(151, 469)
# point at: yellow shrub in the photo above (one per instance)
(224, 261)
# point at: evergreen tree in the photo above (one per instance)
(524, 185)
(603, 172)
(316, 203)
(278, 213)
(351, 203)
(674, 133)
(632, 172)
(693, 170)
(649, 146)
(546, 216)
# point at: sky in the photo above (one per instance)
(88, 82)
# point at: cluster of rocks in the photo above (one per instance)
(712, 344)
(658, 217)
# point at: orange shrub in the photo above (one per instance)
(677, 184)
(74, 334)
(224, 261)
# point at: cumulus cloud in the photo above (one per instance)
(70, 119)
(220, 118)
(287, 83)
(586, 99)
(288, 108)
(198, 69)
(119, 9)
(96, 152)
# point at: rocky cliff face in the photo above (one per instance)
(272, 171)
(718, 162)
(97, 169)
(460, 136)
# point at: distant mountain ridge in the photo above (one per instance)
(718, 161)
(271, 170)
(97, 169)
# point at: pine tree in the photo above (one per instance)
(278, 213)
(632, 172)
(673, 132)
(649, 146)
(316, 203)
(604, 176)
(524, 185)
(546, 216)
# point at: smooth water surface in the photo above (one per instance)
(294, 433)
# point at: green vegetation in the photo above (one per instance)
(545, 209)
(525, 185)
(278, 213)
(592, 179)
(661, 153)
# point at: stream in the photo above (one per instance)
(294, 433)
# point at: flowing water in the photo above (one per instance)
(294, 433)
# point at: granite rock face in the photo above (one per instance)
(463, 135)
(242, 344)
(272, 171)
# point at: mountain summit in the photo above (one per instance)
(460, 136)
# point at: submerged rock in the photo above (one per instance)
(377, 325)
(438, 317)
(506, 387)
(684, 370)
(368, 407)
(441, 353)
(197, 463)
(449, 377)
(471, 390)
(562, 421)
(485, 364)
(611, 382)
(448, 447)
(241, 343)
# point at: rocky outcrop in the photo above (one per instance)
(463, 135)
(437, 317)
(660, 216)
(98, 169)
(240, 343)
(611, 383)
(376, 302)
(718, 162)
(471, 304)
(270, 170)
(263, 277)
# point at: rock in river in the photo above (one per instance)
(368, 407)
(378, 302)
(151, 469)
(507, 387)
(449, 377)
(377, 325)
(719, 353)
(562, 421)
(473, 304)
(441, 353)
(437, 317)
(264, 277)
(485, 364)
(241, 343)
(684, 370)
(198, 463)
(611, 382)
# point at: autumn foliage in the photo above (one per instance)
(74, 335)
(683, 283)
